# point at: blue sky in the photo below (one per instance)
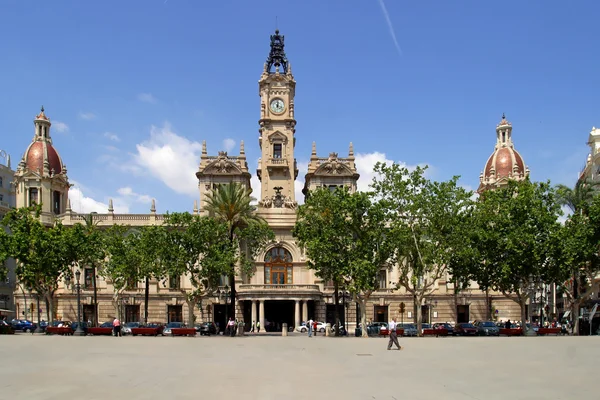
(134, 87)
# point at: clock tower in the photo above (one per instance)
(277, 169)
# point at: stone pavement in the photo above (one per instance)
(297, 367)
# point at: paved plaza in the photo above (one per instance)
(297, 367)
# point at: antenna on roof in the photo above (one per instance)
(276, 24)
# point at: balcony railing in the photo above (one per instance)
(292, 287)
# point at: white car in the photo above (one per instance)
(304, 328)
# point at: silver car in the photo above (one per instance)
(409, 329)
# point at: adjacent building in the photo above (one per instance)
(282, 288)
(7, 201)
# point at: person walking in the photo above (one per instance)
(253, 325)
(117, 327)
(257, 326)
(310, 330)
(393, 335)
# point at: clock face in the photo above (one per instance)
(277, 106)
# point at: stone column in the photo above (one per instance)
(297, 314)
(253, 312)
(305, 310)
(261, 314)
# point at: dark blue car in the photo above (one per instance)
(23, 325)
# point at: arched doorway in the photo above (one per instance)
(278, 267)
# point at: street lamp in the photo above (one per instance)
(225, 293)
(78, 331)
(345, 295)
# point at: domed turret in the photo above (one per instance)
(41, 176)
(505, 162)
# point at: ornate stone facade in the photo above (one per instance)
(282, 288)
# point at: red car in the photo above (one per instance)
(465, 329)
(383, 331)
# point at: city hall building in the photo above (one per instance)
(282, 289)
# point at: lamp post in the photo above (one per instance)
(345, 295)
(225, 293)
(78, 331)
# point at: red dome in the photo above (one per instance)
(39, 151)
(502, 160)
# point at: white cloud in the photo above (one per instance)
(390, 26)
(87, 115)
(128, 193)
(365, 163)
(126, 196)
(147, 98)
(299, 184)
(60, 127)
(228, 144)
(112, 136)
(171, 158)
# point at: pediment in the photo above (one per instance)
(222, 166)
(277, 137)
(334, 167)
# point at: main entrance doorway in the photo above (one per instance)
(89, 313)
(380, 314)
(462, 313)
(278, 312)
(175, 313)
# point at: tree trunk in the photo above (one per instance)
(418, 315)
(488, 305)
(455, 306)
(336, 313)
(523, 316)
(146, 298)
(50, 300)
(575, 317)
(232, 279)
(95, 295)
(362, 306)
(191, 316)
(24, 301)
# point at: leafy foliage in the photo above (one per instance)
(43, 254)
(246, 230)
(425, 219)
(518, 236)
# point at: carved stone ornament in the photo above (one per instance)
(278, 200)
(222, 164)
(334, 166)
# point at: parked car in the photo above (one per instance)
(6, 328)
(487, 328)
(446, 326)
(105, 329)
(126, 329)
(409, 329)
(23, 325)
(167, 330)
(207, 329)
(465, 329)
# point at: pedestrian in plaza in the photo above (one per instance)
(310, 330)
(117, 327)
(314, 326)
(507, 324)
(257, 326)
(253, 326)
(393, 335)
(231, 327)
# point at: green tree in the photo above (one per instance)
(246, 230)
(149, 249)
(518, 237)
(322, 228)
(197, 247)
(121, 268)
(581, 244)
(4, 252)
(424, 219)
(43, 254)
(89, 245)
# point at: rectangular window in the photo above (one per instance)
(88, 278)
(382, 279)
(267, 275)
(174, 282)
(1, 182)
(290, 275)
(56, 202)
(277, 150)
(33, 196)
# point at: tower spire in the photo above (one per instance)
(277, 55)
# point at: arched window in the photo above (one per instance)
(278, 267)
